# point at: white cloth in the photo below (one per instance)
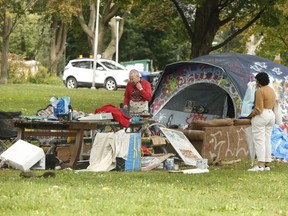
(122, 140)
(138, 107)
(106, 147)
(103, 153)
(262, 126)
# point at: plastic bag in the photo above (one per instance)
(278, 113)
(248, 101)
(60, 105)
(279, 142)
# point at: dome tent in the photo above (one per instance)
(212, 87)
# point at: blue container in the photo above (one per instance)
(145, 75)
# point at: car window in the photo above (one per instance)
(111, 65)
(82, 64)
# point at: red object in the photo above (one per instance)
(145, 150)
(118, 115)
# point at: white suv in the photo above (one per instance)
(108, 74)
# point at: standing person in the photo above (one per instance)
(137, 94)
(263, 121)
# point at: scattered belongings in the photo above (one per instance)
(121, 149)
(24, 156)
(195, 171)
(152, 162)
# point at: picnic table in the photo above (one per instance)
(39, 128)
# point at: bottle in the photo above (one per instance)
(70, 113)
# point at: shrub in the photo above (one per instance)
(43, 77)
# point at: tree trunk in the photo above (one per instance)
(89, 28)
(7, 25)
(110, 10)
(206, 27)
(57, 46)
(111, 48)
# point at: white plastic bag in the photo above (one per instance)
(278, 113)
(248, 101)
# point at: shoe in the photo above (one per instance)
(267, 169)
(256, 169)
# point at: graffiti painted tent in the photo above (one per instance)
(212, 87)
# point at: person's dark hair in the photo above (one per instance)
(262, 78)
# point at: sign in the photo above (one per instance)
(182, 145)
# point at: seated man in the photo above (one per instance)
(137, 94)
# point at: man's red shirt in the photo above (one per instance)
(132, 93)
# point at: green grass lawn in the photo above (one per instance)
(28, 98)
(225, 190)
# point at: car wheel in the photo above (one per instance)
(110, 84)
(71, 83)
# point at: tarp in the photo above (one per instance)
(212, 87)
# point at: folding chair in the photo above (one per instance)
(8, 132)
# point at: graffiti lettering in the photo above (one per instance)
(221, 145)
(193, 117)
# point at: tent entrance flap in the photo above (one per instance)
(199, 101)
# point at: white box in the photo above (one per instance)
(23, 155)
(97, 117)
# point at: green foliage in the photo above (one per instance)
(43, 77)
(17, 71)
(20, 73)
(275, 36)
(63, 10)
(155, 39)
(30, 37)
(153, 30)
(77, 43)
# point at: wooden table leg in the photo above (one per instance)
(76, 148)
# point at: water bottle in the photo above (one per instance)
(70, 113)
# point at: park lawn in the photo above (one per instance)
(28, 98)
(225, 190)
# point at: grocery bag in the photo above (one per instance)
(248, 101)
(133, 162)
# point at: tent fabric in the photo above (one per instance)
(239, 67)
(211, 87)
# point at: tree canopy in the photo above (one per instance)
(162, 31)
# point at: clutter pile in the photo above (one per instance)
(125, 149)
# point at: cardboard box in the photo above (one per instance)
(64, 153)
(23, 155)
(158, 140)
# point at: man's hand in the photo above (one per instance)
(125, 107)
(139, 86)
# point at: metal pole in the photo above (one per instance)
(95, 45)
(118, 18)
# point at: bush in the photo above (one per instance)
(19, 73)
(43, 77)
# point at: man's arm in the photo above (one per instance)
(146, 90)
